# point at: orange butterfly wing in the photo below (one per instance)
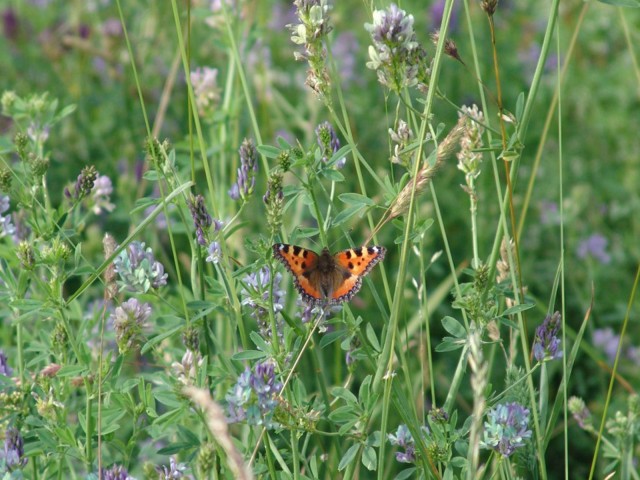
(340, 274)
(358, 262)
(299, 260)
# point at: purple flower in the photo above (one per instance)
(395, 54)
(128, 321)
(506, 428)
(21, 230)
(201, 218)
(112, 27)
(256, 292)
(186, 370)
(6, 226)
(246, 172)
(607, 340)
(14, 449)
(312, 312)
(215, 253)
(5, 369)
(174, 471)
(102, 190)
(84, 183)
(546, 343)
(255, 295)
(10, 24)
(594, 246)
(116, 472)
(238, 396)
(254, 397)
(633, 354)
(205, 89)
(404, 440)
(138, 269)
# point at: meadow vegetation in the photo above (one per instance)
(154, 156)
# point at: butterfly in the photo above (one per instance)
(326, 278)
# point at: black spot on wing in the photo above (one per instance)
(296, 250)
(358, 251)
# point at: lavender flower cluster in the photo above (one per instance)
(246, 180)
(202, 220)
(395, 55)
(6, 226)
(506, 428)
(138, 269)
(405, 441)
(13, 454)
(255, 295)
(254, 397)
(546, 345)
(313, 27)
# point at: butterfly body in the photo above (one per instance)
(326, 278)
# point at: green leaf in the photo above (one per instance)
(356, 199)
(345, 394)
(333, 175)
(168, 398)
(364, 393)
(171, 417)
(520, 106)
(344, 414)
(371, 336)
(348, 457)
(284, 145)
(454, 327)
(449, 344)
(346, 214)
(459, 462)
(159, 338)
(175, 447)
(369, 458)
(622, 3)
(329, 338)
(341, 153)
(248, 355)
(259, 342)
(517, 309)
(151, 175)
(448, 474)
(71, 371)
(68, 110)
(268, 151)
(307, 232)
(404, 474)
(201, 305)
